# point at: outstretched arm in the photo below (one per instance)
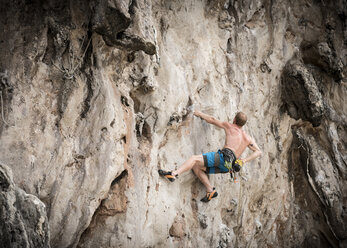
(210, 119)
(256, 151)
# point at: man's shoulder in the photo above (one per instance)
(247, 136)
(227, 124)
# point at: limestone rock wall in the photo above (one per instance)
(24, 221)
(96, 96)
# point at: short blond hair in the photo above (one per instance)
(240, 119)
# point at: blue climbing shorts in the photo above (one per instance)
(214, 162)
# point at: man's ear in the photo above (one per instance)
(234, 120)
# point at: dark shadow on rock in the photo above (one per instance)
(113, 20)
(301, 95)
(23, 217)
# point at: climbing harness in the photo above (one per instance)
(236, 168)
(231, 163)
(238, 164)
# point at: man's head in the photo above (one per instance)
(240, 119)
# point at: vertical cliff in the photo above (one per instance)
(96, 96)
(24, 221)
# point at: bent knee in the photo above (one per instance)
(196, 168)
(198, 160)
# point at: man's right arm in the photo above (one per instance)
(256, 151)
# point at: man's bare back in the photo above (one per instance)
(236, 139)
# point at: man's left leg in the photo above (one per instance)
(196, 163)
(195, 160)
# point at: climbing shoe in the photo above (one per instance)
(168, 175)
(210, 195)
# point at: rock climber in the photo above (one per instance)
(223, 161)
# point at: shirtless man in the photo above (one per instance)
(222, 161)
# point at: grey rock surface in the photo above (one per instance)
(301, 94)
(23, 217)
(97, 95)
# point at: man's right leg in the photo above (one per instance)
(201, 174)
(197, 164)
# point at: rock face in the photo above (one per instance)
(97, 95)
(23, 216)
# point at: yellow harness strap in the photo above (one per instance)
(229, 165)
(239, 162)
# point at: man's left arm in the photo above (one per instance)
(211, 120)
(256, 152)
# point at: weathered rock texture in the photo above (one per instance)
(96, 96)
(24, 221)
